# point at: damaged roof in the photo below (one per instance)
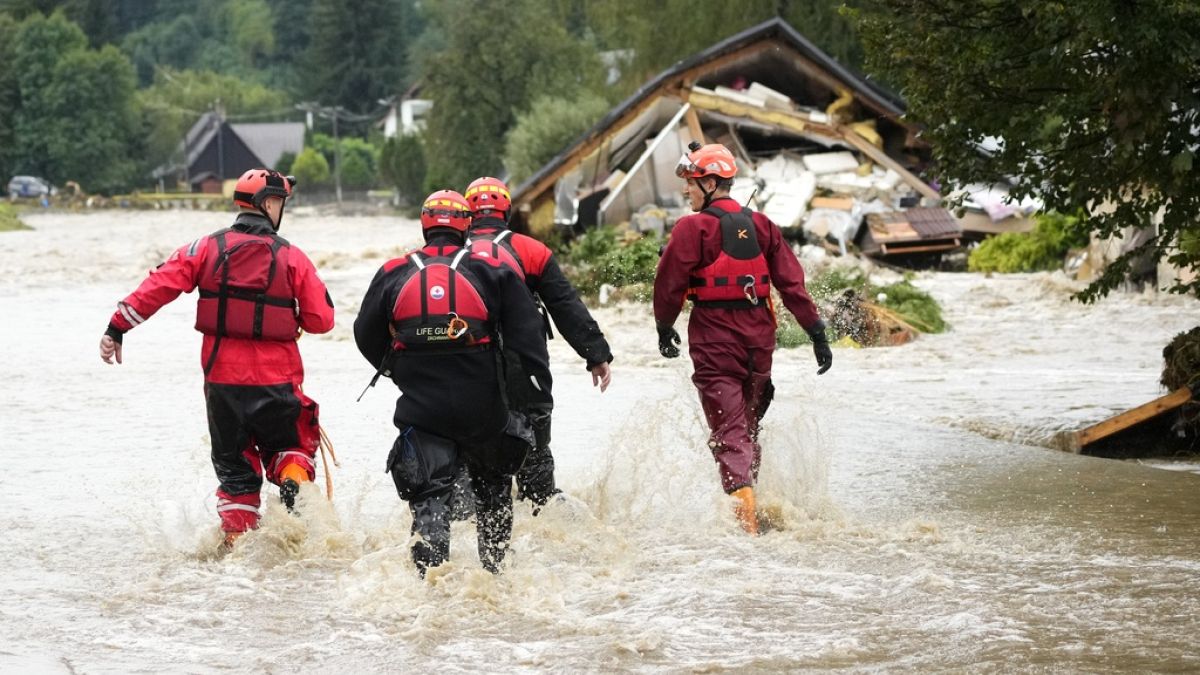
(773, 53)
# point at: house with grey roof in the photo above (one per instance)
(216, 149)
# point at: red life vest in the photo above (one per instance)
(245, 289)
(496, 245)
(439, 307)
(739, 278)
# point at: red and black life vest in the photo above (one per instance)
(245, 289)
(739, 278)
(439, 307)
(498, 245)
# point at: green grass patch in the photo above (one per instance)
(1043, 249)
(9, 220)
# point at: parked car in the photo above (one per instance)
(29, 186)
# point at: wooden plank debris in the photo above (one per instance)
(1133, 417)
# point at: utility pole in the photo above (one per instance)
(337, 156)
(220, 140)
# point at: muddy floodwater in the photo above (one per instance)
(922, 523)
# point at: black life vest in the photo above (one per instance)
(439, 307)
(739, 278)
(498, 245)
(245, 289)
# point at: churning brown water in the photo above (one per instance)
(920, 527)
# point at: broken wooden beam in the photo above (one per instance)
(1133, 417)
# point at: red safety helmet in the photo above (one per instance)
(257, 184)
(713, 159)
(445, 208)
(488, 194)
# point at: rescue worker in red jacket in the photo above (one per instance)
(257, 292)
(433, 322)
(534, 262)
(725, 258)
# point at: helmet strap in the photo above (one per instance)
(708, 194)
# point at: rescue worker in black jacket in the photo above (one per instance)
(534, 262)
(433, 321)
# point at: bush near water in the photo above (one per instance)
(9, 220)
(1043, 249)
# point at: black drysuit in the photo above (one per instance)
(545, 279)
(452, 409)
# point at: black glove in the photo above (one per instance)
(668, 341)
(821, 348)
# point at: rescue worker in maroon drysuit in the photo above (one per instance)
(725, 258)
(257, 293)
(433, 321)
(534, 262)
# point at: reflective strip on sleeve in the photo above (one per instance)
(129, 314)
(457, 258)
(417, 261)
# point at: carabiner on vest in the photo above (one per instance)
(748, 290)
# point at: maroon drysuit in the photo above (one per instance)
(731, 348)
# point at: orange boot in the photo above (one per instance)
(290, 478)
(744, 510)
(230, 539)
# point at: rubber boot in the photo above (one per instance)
(290, 478)
(230, 539)
(744, 510)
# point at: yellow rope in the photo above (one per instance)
(326, 446)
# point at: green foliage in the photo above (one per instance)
(490, 66)
(788, 333)
(359, 159)
(177, 98)
(603, 256)
(9, 220)
(1096, 104)
(77, 118)
(310, 168)
(286, 160)
(913, 305)
(356, 55)
(402, 165)
(663, 32)
(910, 303)
(1042, 249)
(10, 98)
(546, 129)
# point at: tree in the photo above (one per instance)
(93, 134)
(77, 115)
(356, 54)
(549, 126)
(10, 97)
(1091, 107)
(40, 43)
(492, 66)
(310, 168)
(402, 164)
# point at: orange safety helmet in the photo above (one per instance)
(713, 159)
(257, 184)
(488, 194)
(445, 208)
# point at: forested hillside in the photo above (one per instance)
(102, 91)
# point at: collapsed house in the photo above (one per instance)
(822, 151)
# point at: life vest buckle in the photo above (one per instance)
(456, 327)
